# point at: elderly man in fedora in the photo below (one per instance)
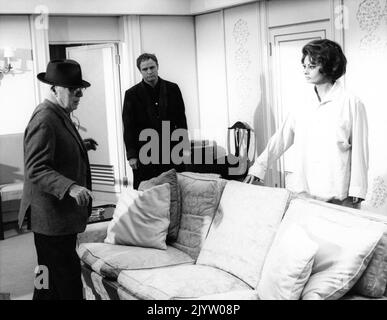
(57, 187)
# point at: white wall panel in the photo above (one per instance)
(202, 6)
(365, 38)
(212, 77)
(118, 7)
(96, 7)
(17, 91)
(243, 63)
(281, 13)
(172, 39)
(83, 29)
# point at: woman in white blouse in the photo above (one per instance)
(330, 136)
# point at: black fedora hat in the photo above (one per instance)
(64, 73)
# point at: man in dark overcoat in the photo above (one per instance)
(57, 184)
(153, 103)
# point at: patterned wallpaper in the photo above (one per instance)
(366, 48)
(371, 15)
(378, 192)
(242, 63)
(243, 67)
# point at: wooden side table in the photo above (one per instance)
(105, 213)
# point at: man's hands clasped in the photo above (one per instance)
(82, 195)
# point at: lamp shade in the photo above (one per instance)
(9, 52)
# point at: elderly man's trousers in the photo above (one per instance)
(57, 256)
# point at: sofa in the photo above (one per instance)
(240, 241)
(11, 178)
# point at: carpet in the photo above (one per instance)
(17, 264)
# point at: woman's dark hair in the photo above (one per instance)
(145, 57)
(327, 53)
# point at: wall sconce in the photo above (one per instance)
(8, 54)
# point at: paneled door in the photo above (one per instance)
(99, 116)
(287, 80)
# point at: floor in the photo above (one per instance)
(17, 263)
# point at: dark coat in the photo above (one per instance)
(139, 113)
(54, 159)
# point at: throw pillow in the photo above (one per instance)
(288, 265)
(200, 199)
(243, 230)
(346, 243)
(141, 218)
(175, 207)
(374, 279)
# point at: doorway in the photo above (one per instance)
(287, 81)
(99, 114)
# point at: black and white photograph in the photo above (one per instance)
(193, 153)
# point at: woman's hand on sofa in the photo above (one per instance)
(252, 179)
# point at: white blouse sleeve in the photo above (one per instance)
(359, 154)
(277, 145)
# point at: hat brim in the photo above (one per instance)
(42, 77)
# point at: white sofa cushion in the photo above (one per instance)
(200, 195)
(109, 260)
(179, 282)
(243, 229)
(288, 265)
(141, 218)
(95, 232)
(346, 243)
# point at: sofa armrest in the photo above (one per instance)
(246, 294)
(95, 232)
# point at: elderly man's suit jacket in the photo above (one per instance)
(139, 113)
(54, 159)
